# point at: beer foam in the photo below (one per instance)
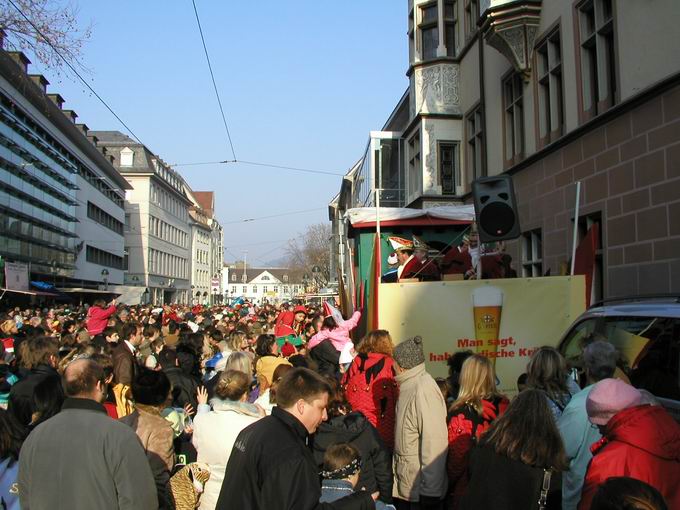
(487, 296)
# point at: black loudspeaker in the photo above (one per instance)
(495, 208)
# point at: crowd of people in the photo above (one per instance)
(275, 407)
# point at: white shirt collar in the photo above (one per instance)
(132, 347)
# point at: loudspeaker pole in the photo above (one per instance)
(575, 239)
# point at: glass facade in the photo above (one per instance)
(37, 194)
(381, 168)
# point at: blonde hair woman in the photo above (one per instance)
(477, 406)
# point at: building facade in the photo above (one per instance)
(273, 285)
(552, 92)
(206, 201)
(61, 200)
(200, 235)
(157, 232)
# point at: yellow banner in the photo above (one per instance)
(506, 320)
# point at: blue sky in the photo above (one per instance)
(302, 83)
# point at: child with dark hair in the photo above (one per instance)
(352, 428)
(341, 469)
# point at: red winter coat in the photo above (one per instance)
(641, 442)
(98, 318)
(371, 389)
(285, 325)
(461, 424)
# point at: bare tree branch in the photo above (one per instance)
(56, 22)
(312, 249)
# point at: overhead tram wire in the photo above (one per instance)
(212, 77)
(248, 220)
(39, 32)
(255, 163)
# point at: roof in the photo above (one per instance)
(206, 199)
(114, 137)
(294, 275)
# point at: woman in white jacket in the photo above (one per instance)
(215, 430)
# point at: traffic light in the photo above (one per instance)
(495, 208)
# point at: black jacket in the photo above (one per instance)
(21, 394)
(272, 468)
(376, 460)
(327, 358)
(183, 388)
(501, 483)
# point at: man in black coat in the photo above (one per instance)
(271, 466)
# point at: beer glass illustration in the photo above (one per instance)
(487, 304)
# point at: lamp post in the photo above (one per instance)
(105, 277)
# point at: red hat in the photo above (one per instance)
(287, 349)
(300, 309)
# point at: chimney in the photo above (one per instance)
(56, 99)
(40, 81)
(71, 115)
(112, 158)
(93, 139)
(103, 150)
(83, 128)
(21, 59)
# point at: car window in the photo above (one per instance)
(575, 341)
(649, 349)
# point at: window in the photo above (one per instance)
(598, 61)
(103, 218)
(450, 24)
(265, 277)
(254, 289)
(285, 289)
(448, 167)
(513, 126)
(429, 31)
(126, 157)
(233, 289)
(532, 253)
(233, 277)
(127, 222)
(276, 289)
(475, 140)
(285, 277)
(245, 289)
(414, 168)
(471, 17)
(550, 97)
(103, 258)
(264, 289)
(585, 223)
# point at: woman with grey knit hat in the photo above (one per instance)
(421, 440)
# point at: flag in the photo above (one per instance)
(584, 259)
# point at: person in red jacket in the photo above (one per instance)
(638, 441)
(98, 316)
(370, 386)
(477, 406)
(290, 323)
